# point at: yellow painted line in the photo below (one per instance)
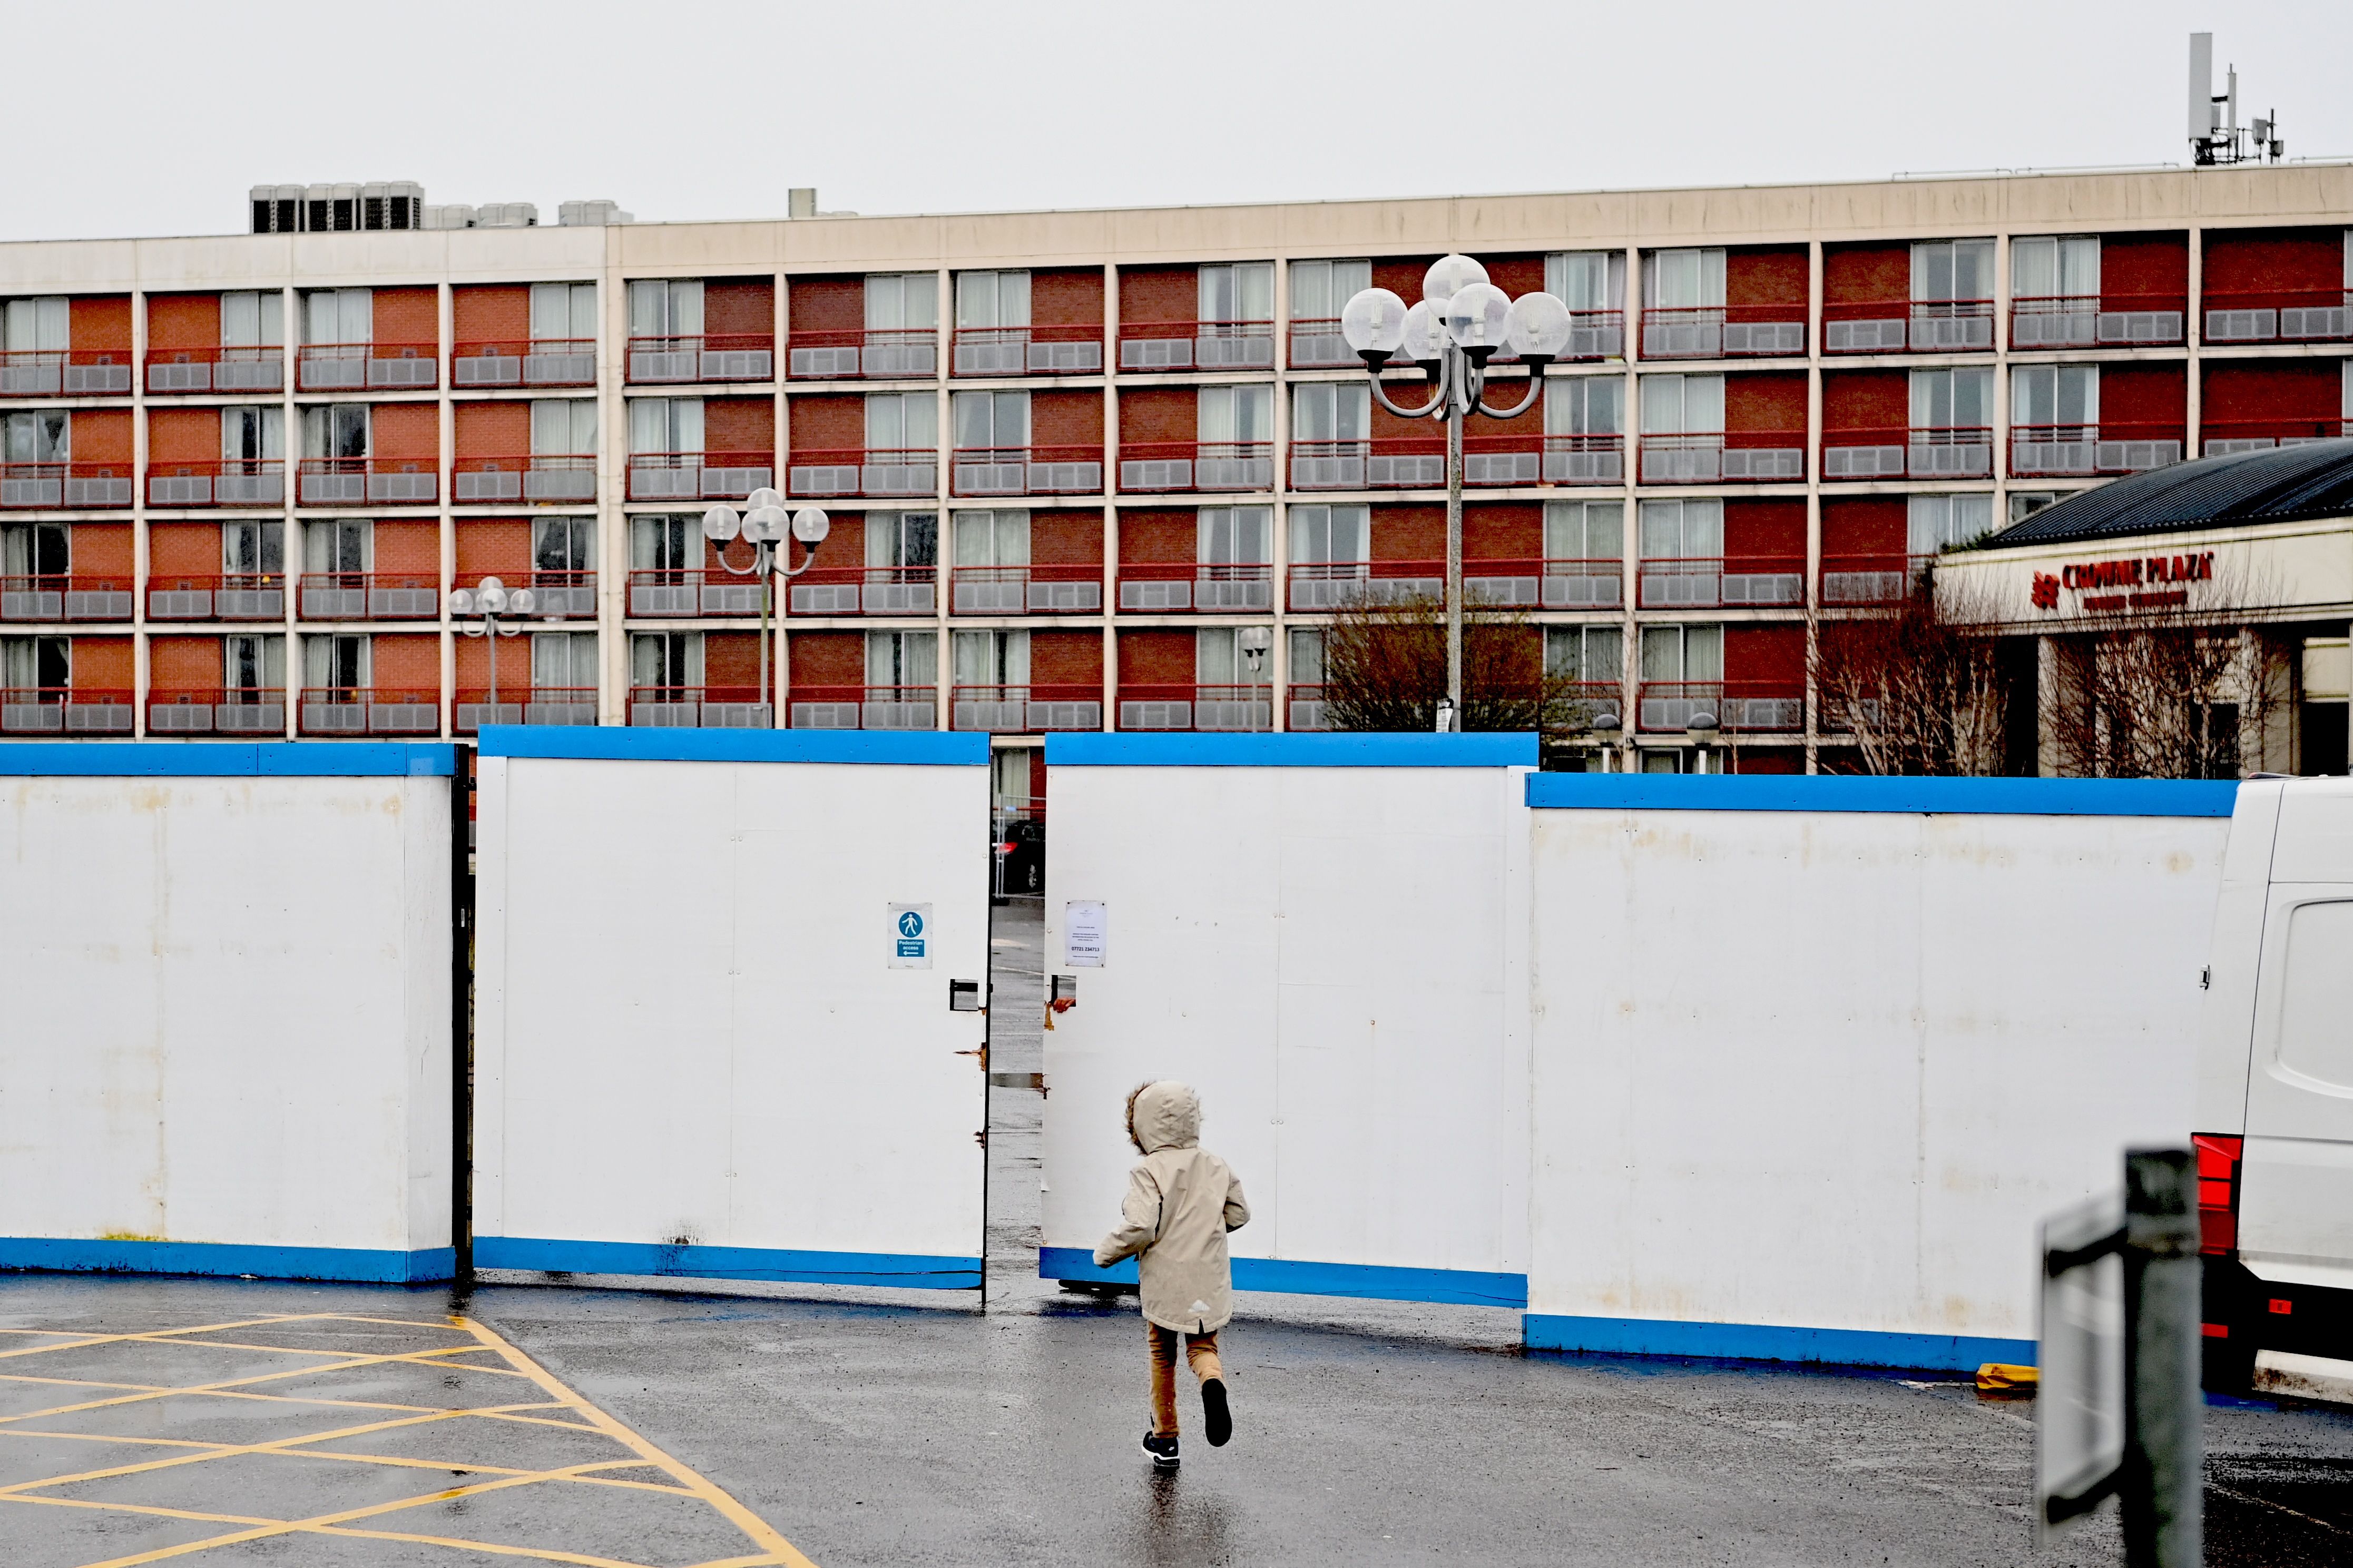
(241, 1383)
(762, 1535)
(199, 1329)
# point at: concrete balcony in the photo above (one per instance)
(65, 598)
(231, 481)
(865, 590)
(2066, 451)
(370, 597)
(1724, 332)
(543, 477)
(66, 372)
(524, 362)
(1216, 467)
(1716, 457)
(1175, 587)
(1209, 709)
(523, 703)
(1025, 710)
(1707, 582)
(1033, 590)
(1907, 326)
(252, 597)
(700, 476)
(715, 357)
(1738, 706)
(1196, 345)
(879, 473)
(65, 487)
(895, 354)
(60, 710)
(2095, 321)
(1026, 470)
(366, 367)
(368, 481)
(1918, 452)
(864, 708)
(358, 710)
(247, 710)
(178, 372)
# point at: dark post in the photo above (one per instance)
(461, 1013)
(2160, 1479)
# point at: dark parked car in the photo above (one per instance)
(1020, 852)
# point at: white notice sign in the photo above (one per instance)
(911, 936)
(1084, 935)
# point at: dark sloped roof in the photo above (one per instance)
(2282, 485)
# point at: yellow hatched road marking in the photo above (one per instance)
(773, 1549)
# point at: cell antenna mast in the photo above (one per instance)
(2215, 134)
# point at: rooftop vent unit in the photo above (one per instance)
(338, 209)
(508, 215)
(591, 214)
(454, 215)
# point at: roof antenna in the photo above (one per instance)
(2215, 134)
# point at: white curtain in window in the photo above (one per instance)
(251, 662)
(903, 421)
(902, 539)
(339, 544)
(1681, 530)
(1236, 414)
(665, 543)
(991, 658)
(251, 319)
(253, 548)
(1933, 523)
(338, 316)
(564, 543)
(39, 326)
(1683, 280)
(2055, 394)
(1328, 411)
(901, 301)
(1241, 291)
(1683, 404)
(662, 425)
(1237, 535)
(1584, 406)
(992, 299)
(1307, 656)
(564, 659)
(997, 538)
(1587, 279)
(1950, 399)
(1585, 530)
(253, 432)
(563, 426)
(666, 308)
(337, 663)
(1336, 534)
(40, 436)
(563, 311)
(1319, 290)
(1592, 654)
(1683, 653)
(986, 420)
(902, 658)
(1948, 269)
(335, 430)
(2051, 266)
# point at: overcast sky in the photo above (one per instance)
(142, 117)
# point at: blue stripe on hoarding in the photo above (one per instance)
(1995, 797)
(1292, 750)
(80, 1256)
(1769, 1342)
(235, 759)
(1376, 1281)
(617, 743)
(910, 1271)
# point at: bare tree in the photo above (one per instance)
(1917, 683)
(1385, 669)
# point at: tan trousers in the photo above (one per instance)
(1200, 1353)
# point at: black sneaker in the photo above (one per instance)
(1213, 1409)
(1162, 1450)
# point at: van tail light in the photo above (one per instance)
(2218, 1193)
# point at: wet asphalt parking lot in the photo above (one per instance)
(908, 1429)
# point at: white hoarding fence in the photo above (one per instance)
(226, 975)
(1813, 1055)
(1325, 936)
(711, 1038)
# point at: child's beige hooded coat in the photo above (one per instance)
(1181, 1201)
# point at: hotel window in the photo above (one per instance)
(253, 662)
(665, 543)
(902, 658)
(1319, 290)
(336, 545)
(337, 667)
(563, 659)
(39, 326)
(1590, 280)
(1682, 530)
(1683, 404)
(992, 659)
(1331, 533)
(337, 316)
(1952, 399)
(1693, 654)
(902, 539)
(1330, 411)
(1307, 656)
(1934, 523)
(40, 436)
(1593, 655)
(1243, 291)
(2053, 268)
(253, 549)
(902, 422)
(1683, 279)
(564, 543)
(2055, 394)
(992, 299)
(36, 549)
(666, 660)
(996, 538)
(560, 311)
(666, 308)
(1236, 535)
(333, 430)
(256, 432)
(1946, 271)
(1585, 530)
(902, 301)
(1235, 414)
(1218, 660)
(257, 320)
(991, 421)
(1586, 406)
(661, 425)
(566, 426)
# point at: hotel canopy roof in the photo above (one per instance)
(2285, 484)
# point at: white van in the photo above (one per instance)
(2275, 1082)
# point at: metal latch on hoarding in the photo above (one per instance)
(964, 997)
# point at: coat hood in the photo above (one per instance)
(1163, 1115)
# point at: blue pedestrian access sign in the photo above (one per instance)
(911, 936)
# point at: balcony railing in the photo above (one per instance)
(232, 710)
(1886, 577)
(259, 369)
(1196, 345)
(1547, 585)
(881, 472)
(64, 372)
(1316, 342)
(232, 596)
(684, 595)
(1025, 710)
(1303, 708)
(1724, 332)
(894, 354)
(368, 481)
(700, 476)
(1208, 709)
(865, 707)
(227, 482)
(1213, 466)
(2097, 321)
(1751, 707)
(1711, 582)
(1167, 586)
(700, 707)
(1074, 350)
(1713, 456)
(523, 703)
(1026, 470)
(1900, 326)
(369, 710)
(719, 356)
(65, 598)
(2284, 315)
(524, 362)
(2061, 450)
(865, 590)
(1914, 452)
(1032, 590)
(56, 486)
(539, 476)
(1419, 462)
(58, 710)
(366, 367)
(2221, 438)
(1312, 586)
(1584, 459)
(559, 592)
(370, 597)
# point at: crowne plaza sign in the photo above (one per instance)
(2130, 583)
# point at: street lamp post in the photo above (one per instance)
(763, 525)
(1460, 322)
(489, 601)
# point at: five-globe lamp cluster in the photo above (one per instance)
(1457, 303)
